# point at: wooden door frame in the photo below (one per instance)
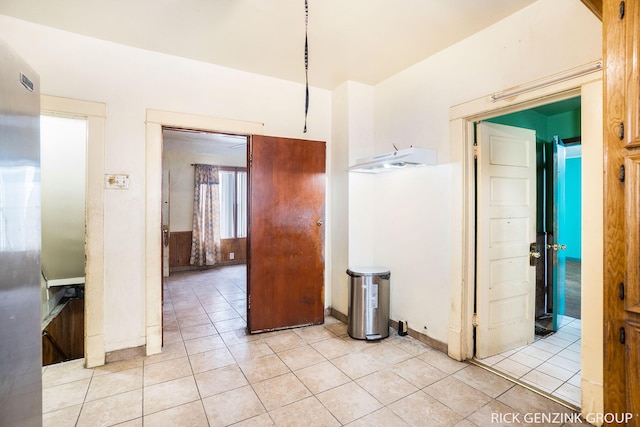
(155, 121)
(95, 115)
(462, 118)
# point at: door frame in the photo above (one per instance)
(155, 121)
(95, 115)
(462, 118)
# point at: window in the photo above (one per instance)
(233, 203)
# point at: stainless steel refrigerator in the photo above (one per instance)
(20, 294)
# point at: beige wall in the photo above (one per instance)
(415, 209)
(130, 81)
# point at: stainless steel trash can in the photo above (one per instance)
(368, 316)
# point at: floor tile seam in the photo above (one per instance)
(114, 394)
(394, 401)
(317, 400)
(164, 409)
(549, 389)
(407, 396)
(90, 378)
(572, 373)
(67, 382)
(66, 407)
(172, 379)
(255, 382)
(260, 399)
(542, 362)
(443, 371)
(555, 391)
(291, 349)
(542, 393)
(199, 394)
(223, 391)
(357, 378)
(457, 379)
(382, 405)
(238, 362)
(564, 346)
(84, 401)
(205, 351)
(467, 418)
(146, 362)
(446, 404)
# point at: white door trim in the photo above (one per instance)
(95, 115)
(462, 117)
(156, 120)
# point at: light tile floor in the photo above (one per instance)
(210, 373)
(550, 364)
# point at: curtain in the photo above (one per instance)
(205, 244)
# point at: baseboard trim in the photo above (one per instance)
(335, 313)
(425, 339)
(125, 354)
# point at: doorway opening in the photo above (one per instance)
(63, 205)
(226, 157)
(544, 352)
(227, 153)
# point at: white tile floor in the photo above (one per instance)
(550, 364)
(211, 373)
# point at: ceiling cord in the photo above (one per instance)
(306, 62)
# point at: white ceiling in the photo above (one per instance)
(361, 40)
(204, 143)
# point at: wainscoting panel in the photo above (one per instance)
(179, 248)
(237, 247)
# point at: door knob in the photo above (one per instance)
(557, 247)
(319, 222)
(165, 235)
(534, 254)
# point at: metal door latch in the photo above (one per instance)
(557, 247)
(534, 254)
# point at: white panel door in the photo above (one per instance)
(506, 215)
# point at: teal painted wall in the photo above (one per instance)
(573, 201)
(565, 125)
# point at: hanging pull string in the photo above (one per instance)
(306, 62)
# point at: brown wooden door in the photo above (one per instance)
(285, 248)
(621, 40)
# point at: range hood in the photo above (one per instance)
(388, 162)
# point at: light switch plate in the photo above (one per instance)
(116, 181)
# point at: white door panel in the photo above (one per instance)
(506, 226)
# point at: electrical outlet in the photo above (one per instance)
(116, 181)
(232, 255)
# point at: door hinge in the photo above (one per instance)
(621, 290)
(622, 335)
(474, 320)
(621, 14)
(622, 173)
(249, 303)
(475, 151)
(621, 131)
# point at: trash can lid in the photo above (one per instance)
(367, 271)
